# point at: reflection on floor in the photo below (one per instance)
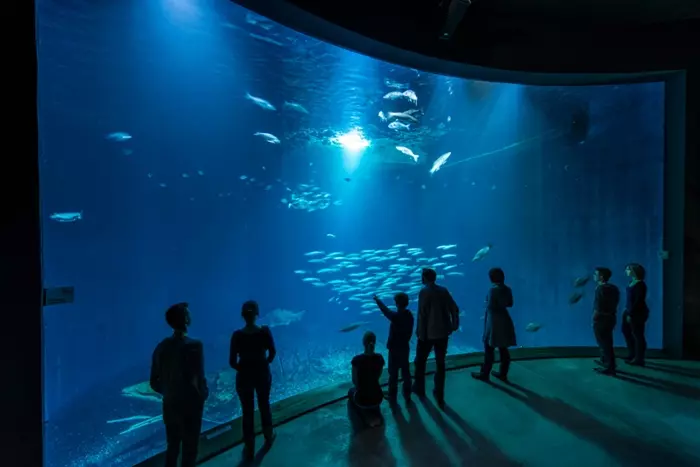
(555, 413)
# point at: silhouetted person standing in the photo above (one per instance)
(606, 301)
(499, 331)
(636, 314)
(252, 351)
(177, 373)
(398, 344)
(438, 317)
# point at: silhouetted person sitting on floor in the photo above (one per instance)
(438, 317)
(499, 331)
(366, 394)
(177, 373)
(636, 314)
(400, 332)
(252, 351)
(605, 303)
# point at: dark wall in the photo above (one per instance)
(20, 246)
(691, 322)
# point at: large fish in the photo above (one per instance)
(260, 102)
(269, 137)
(482, 253)
(439, 162)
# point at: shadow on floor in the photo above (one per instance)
(477, 450)
(671, 369)
(259, 456)
(368, 445)
(628, 449)
(671, 387)
(418, 444)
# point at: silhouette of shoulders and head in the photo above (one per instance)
(178, 318)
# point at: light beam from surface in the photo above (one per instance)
(354, 144)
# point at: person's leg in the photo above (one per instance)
(489, 357)
(394, 365)
(173, 434)
(629, 338)
(190, 437)
(440, 346)
(598, 333)
(638, 329)
(406, 375)
(246, 395)
(423, 349)
(262, 389)
(606, 335)
(505, 362)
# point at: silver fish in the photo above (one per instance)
(260, 102)
(408, 152)
(66, 216)
(482, 252)
(439, 162)
(405, 115)
(296, 107)
(269, 137)
(399, 126)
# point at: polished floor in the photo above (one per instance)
(555, 413)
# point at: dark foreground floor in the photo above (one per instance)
(556, 413)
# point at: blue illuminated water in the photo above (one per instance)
(183, 202)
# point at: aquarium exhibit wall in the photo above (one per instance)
(194, 151)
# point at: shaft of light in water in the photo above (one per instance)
(549, 134)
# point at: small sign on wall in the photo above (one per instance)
(58, 295)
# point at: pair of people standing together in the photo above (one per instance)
(177, 373)
(438, 317)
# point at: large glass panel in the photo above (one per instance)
(193, 151)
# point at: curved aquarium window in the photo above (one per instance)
(194, 151)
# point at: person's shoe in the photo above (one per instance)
(440, 400)
(480, 376)
(270, 436)
(390, 397)
(499, 375)
(605, 371)
(249, 452)
(600, 362)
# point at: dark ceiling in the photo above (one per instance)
(547, 36)
(624, 11)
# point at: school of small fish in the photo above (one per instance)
(352, 279)
(310, 198)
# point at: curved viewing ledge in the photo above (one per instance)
(224, 437)
(295, 18)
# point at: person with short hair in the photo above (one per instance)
(177, 373)
(252, 350)
(438, 318)
(605, 303)
(398, 344)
